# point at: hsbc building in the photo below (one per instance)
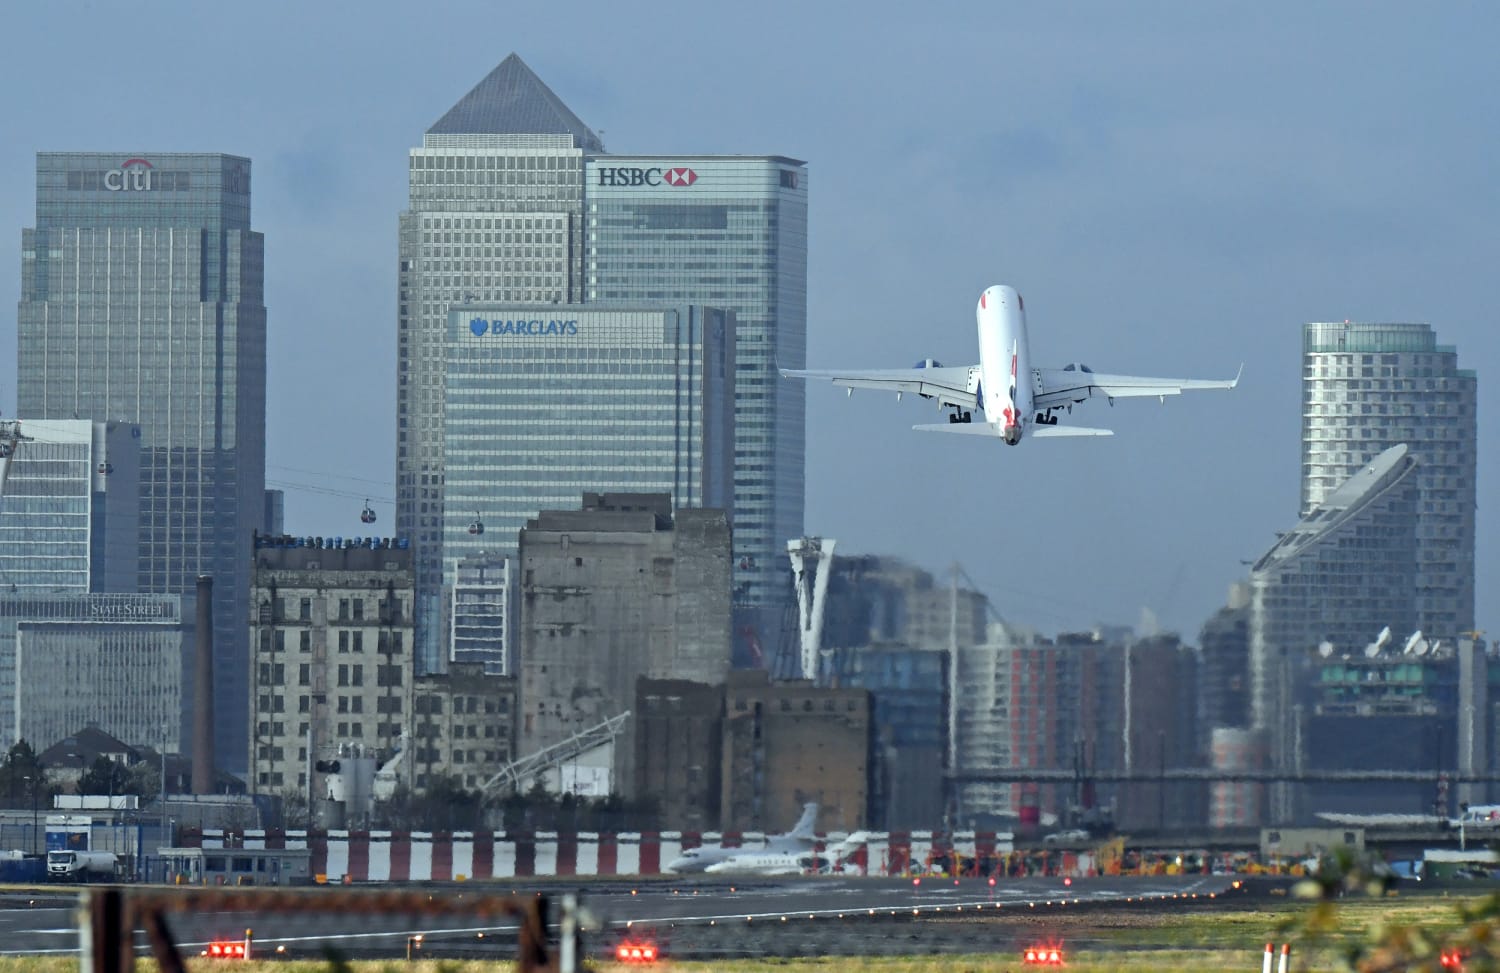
(731, 232)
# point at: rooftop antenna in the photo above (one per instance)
(1325, 648)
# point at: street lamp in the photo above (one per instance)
(33, 782)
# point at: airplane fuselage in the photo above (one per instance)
(1004, 362)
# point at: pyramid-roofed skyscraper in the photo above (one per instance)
(512, 100)
(513, 201)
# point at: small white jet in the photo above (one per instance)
(1016, 399)
(801, 838)
(772, 863)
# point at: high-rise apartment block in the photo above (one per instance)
(1368, 387)
(142, 302)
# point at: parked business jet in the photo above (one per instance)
(772, 863)
(1016, 399)
(796, 841)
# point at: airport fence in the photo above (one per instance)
(172, 925)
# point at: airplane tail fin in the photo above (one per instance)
(1043, 431)
(804, 827)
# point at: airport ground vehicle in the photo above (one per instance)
(81, 866)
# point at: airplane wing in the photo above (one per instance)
(949, 386)
(1060, 386)
(993, 429)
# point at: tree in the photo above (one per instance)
(105, 776)
(294, 810)
(23, 776)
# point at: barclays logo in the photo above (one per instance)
(534, 328)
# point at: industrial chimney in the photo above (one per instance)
(203, 690)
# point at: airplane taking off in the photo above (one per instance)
(794, 842)
(1016, 399)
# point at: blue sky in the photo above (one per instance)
(1174, 187)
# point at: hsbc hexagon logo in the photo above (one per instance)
(636, 176)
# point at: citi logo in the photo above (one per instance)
(681, 176)
(133, 174)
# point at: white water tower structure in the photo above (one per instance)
(812, 564)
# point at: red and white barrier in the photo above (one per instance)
(417, 856)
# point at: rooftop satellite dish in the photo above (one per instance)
(1422, 648)
(1411, 643)
(1325, 648)
(1384, 638)
(1372, 650)
(1435, 644)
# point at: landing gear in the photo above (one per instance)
(1046, 418)
(957, 416)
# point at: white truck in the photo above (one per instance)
(81, 866)
(1477, 816)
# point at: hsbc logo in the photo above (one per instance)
(636, 176)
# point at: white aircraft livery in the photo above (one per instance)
(796, 841)
(1016, 399)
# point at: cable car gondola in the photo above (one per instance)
(477, 527)
(367, 516)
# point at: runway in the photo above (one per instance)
(697, 917)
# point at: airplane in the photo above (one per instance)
(1016, 399)
(704, 857)
(772, 863)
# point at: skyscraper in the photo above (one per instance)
(70, 516)
(543, 409)
(1345, 572)
(495, 215)
(511, 194)
(729, 231)
(1368, 387)
(142, 301)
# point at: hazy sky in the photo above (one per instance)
(1174, 187)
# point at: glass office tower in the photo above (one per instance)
(69, 519)
(730, 231)
(142, 301)
(1368, 387)
(546, 404)
(495, 215)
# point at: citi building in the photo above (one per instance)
(142, 302)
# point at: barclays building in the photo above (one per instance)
(547, 402)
